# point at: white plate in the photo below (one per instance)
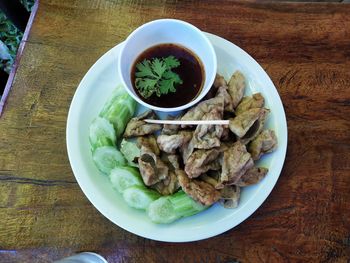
(88, 100)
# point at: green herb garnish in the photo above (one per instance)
(156, 76)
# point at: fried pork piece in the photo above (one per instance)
(208, 136)
(137, 127)
(200, 191)
(256, 128)
(243, 122)
(170, 129)
(214, 174)
(230, 195)
(172, 160)
(226, 134)
(202, 161)
(219, 81)
(265, 142)
(251, 102)
(152, 168)
(235, 162)
(252, 176)
(208, 179)
(228, 103)
(169, 143)
(236, 87)
(210, 139)
(205, 136)
(170, 183)
(201, 109)
(186, 150)
(149, 142)
(167, 186)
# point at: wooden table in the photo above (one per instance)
(305, 48)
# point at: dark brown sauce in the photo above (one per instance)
(191, 71)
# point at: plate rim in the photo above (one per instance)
(195, 236)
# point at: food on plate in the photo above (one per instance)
(230, 195)
(107, 128)
(140, 197)
(101, 133)
(167, 75)
(201, 161)
(265, 142)
(202, 192)
(241, 124)
(169, 208)
(155, 76)
(167, 186)
(107, 157)
(236, 160)
(130, 151)
(250, 102)
(236, 87)
(219, 81)
(169, 143)
(123, 177)
(177, 170)
(252, 176)
(138, 127)
(119, 109)
(152, 168)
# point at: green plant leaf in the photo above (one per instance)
(144, 69)
(159, 67)
(156, 77)
(146, 86)
(166, 86)
(171, 62)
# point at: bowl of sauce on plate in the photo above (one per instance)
(146, 51)
(190, 71)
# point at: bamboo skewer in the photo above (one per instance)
(190, 122)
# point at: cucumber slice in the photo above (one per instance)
(130, 151)
(101, 134)
(123, 177)
(184, 205)
(106, 158)
(162, 211)
(131, 104)
(120, 117)
(140, 197)
(169, 208)
(119, 110)
(118, 91)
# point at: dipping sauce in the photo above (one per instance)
(191, 72)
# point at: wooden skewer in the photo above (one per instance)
(179, 122)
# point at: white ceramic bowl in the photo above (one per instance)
(167, 31)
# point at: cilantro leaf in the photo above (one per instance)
(145, 86)
(171, 62)
(144, 69)
(166, 86)
(158, 67)
(171, 75)
(155, 76)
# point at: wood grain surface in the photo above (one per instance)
(305, 48)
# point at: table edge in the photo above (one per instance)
(22, 44)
